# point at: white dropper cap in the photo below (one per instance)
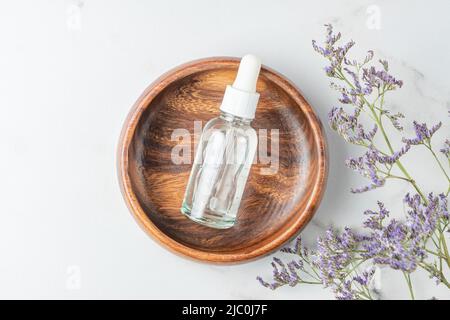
(241, 98)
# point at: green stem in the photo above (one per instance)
(307, 262)
(398, 162)
(364, 295)
(364, 289)
(408, 281)
(440, 256)
(434, 253)
(430, 270)
(308, 282)
(312, 276)
(353, 268)
(388, 175)
(434, 241)
(444, 246)
(438, 161)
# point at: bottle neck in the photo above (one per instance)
(234, 119)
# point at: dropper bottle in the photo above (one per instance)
(225, 153)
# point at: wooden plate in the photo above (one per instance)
(274, 207)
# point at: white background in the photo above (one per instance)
(70, 71)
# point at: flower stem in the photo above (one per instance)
(444, 246)
(438, 161)
(434, 253)
(309, 282)
(431, 271)
(408, 281)
(398, 162)
(440, 255)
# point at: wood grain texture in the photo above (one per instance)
(274, 207)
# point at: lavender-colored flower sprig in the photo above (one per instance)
(346, 261)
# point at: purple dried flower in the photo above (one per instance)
(376, 218)
(385, 65)
(358, 89)
(306, 252)
(365, 278)
(423, 134)
(369, 57)
(365, 188)
(435, 273)
(366, 166)
(423, 218)
(348, 127)
(280, 271)
(394, 118)
(400, 244)
(334, 54)
(287, 250)
(346, 99)
(345, 291)
(296, 249)
(393, 246)
(446, 149)
(325, 52)
(334, 253)
(380, 79)
(390, 244)
(349, 62)
(298, 245)
(355, 79)
(271, 286)
(385, 159)
(293, 266)
(331, 38)
(443, 204)
(329, 71)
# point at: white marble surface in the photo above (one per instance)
(69, 72)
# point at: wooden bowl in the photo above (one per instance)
(274, 208)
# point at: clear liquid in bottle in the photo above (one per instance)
(222, 163)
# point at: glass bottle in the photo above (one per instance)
(225, 154)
